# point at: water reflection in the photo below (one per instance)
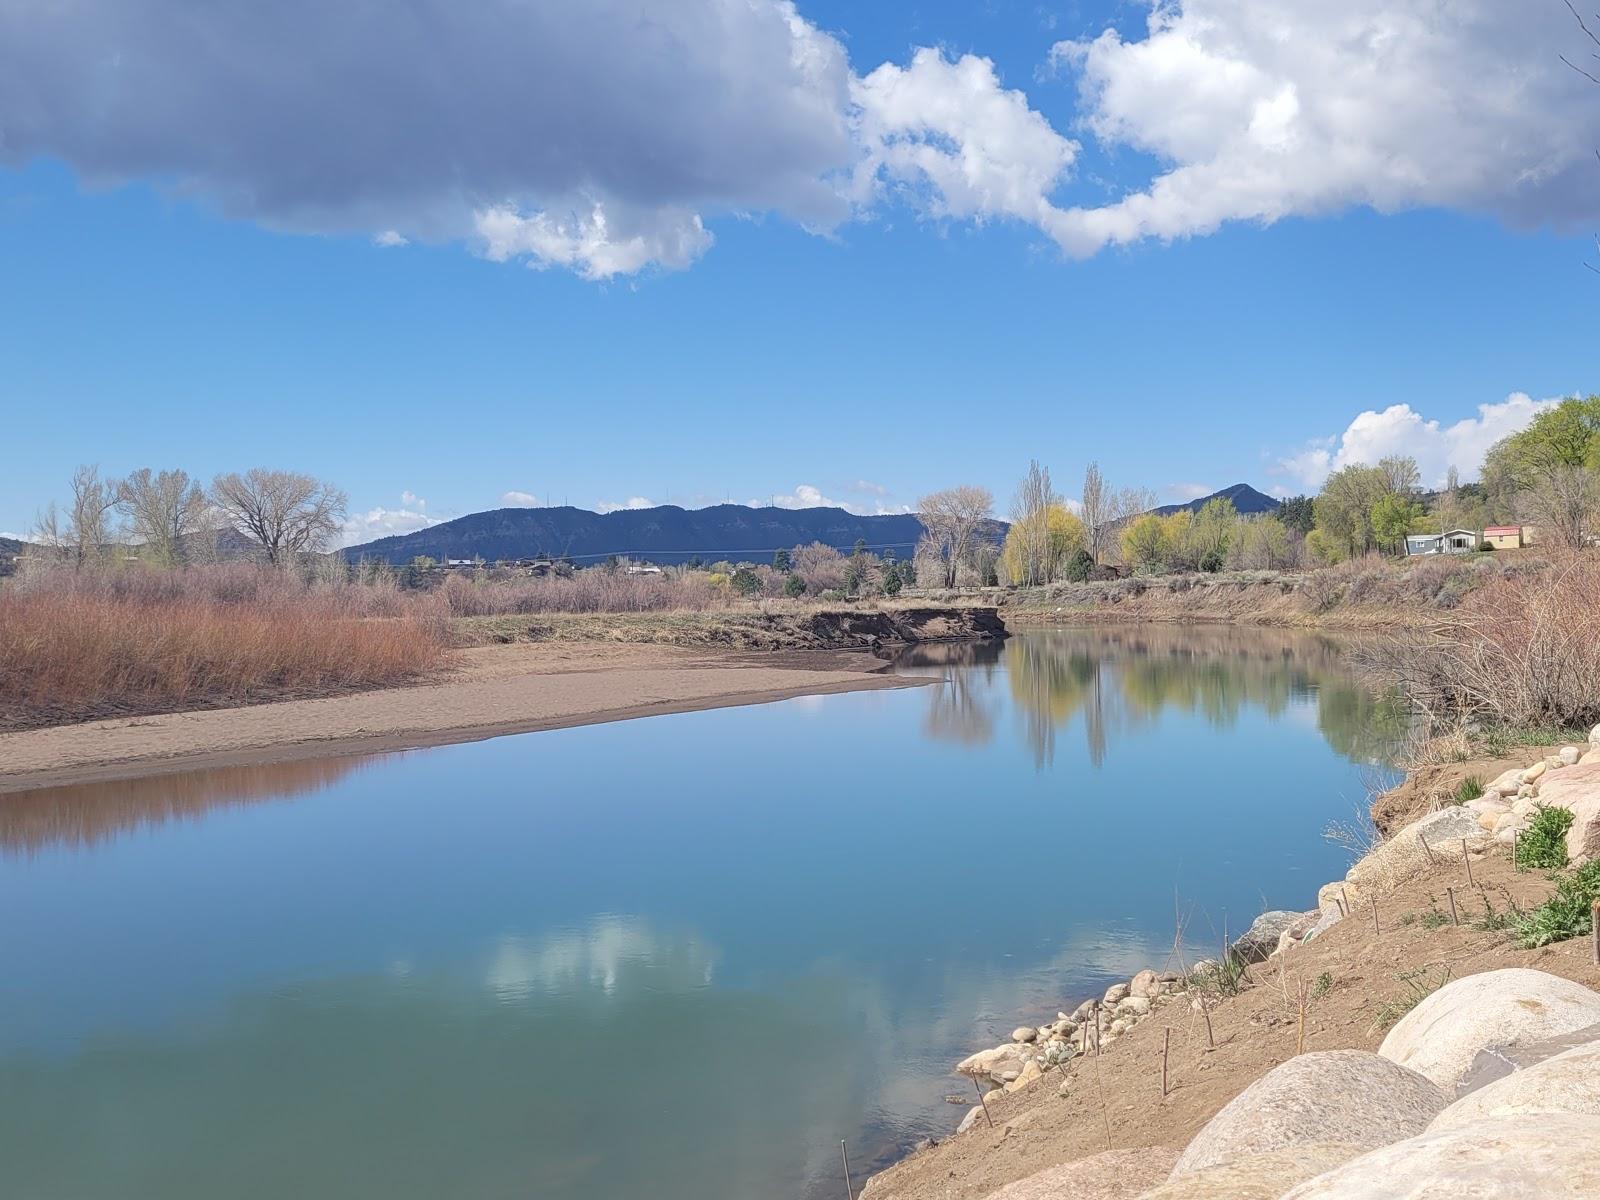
(85, 814)
(673, 958)
(1119, 681)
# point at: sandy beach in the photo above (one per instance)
(494, 690)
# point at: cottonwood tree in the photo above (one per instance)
(285, 513)
(1095, 509)
(88, 533)
(1563, 502)
(1028, 543)
(954, 520)
(166, 512)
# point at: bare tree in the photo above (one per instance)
(285, 513)
(88, 534)
(1563, 502)
(954, 521)
(165, 512)
(1400, 474)
(1030, 515)
(1096, 510)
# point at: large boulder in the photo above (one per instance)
(1567, 1083)
(1109, 1175)
(1577, 788)
(1002, 1064)
(1557, 1155)
(1257, 1176)
(1437, 836)
(1348, 1096)
(1440, 1036)
(1261, 939)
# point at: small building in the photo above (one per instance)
(1452, 541)
(643, 569)
(1424, 543)
(1504, 537)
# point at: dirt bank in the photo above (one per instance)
(1353, 972)
(493, 690)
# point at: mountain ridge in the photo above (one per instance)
(665, 534)
(1245, 499)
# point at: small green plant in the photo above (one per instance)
(1433, 918)
(1500, 740)
(1409, 918)
(794, 587)
(1494, 922)
(1323, 986)
(1225, 978)
(1543, 847)
(1418, 985)
(1565, 915)
(1470, 788)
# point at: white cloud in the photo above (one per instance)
(518, 500)
(1184, 492)
(1400, 429)
(807, 496)
(949, 137)
(608, 506)
(870, 488)
(607, 137)
(1263, 111)
(383, 522)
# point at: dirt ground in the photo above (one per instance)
(1351, 972)
(493, 690)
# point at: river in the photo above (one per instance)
(675, 957)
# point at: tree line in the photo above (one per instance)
(171, 520)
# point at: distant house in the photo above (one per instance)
(1504, 537)
(1453, 541)
(643, 569)
(1424, 543)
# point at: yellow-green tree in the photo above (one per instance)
(1038, 546)
(1145, 542)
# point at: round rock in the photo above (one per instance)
(1440, 1036)
(1110, 1175)
(1347, 1096)
(1556, 1155)
(1257, 1176)
(1567, 1083)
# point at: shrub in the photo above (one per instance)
(1079, 567)
(1565, 915)
(1418, 986)
(84, 644)
(794, 587)
(745, 582)
(1544, 846)
(1470, 788)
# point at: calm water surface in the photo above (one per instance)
(674, 957)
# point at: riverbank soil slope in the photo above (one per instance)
(1356, 977)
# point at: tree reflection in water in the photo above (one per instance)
(1123, 679)
(84, 814)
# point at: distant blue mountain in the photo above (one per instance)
(665, 534)
(1245, 499)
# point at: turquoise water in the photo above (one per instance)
(674, 957)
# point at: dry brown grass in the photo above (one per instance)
(79, 645)
(1524, 650)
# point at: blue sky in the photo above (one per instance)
(955, 283)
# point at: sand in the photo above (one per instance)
(495, 690)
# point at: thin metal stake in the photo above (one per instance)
(1344, 900)
(983, 1102)
(1467, 858)
(1166, 1043)
(849, 1189)
(1454, 918)
(1516, 859)
(1376, 932)
(1427, 849)
(1594, 924)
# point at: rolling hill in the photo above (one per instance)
(1245, 499)
(665, 534)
